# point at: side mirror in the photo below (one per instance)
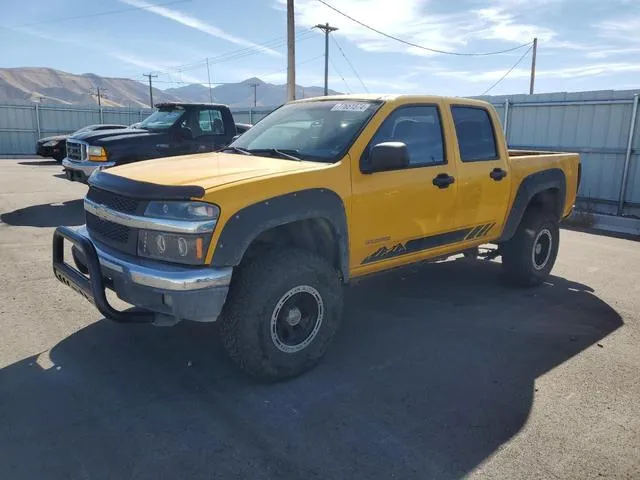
(388, 156)
(235, 137)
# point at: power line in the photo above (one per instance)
(434, 50)
(340, 75)
(508, 72)
(99, 14)
(180, 82)
(237, 54)
(350, 65)
(297, 65)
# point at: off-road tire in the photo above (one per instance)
(522, 266)
(256, 289)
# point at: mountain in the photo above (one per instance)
(49, 86)
(241, 94)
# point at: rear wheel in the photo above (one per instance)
(529, 256)
(282, 312)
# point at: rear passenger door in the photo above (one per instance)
(483, 185)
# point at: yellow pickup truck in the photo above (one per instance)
(263, 235)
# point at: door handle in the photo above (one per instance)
(443, 180)
(498, 174)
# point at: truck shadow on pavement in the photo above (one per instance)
(47, 215)
(38, 163)
(433, 370)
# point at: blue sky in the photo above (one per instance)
(583, 44)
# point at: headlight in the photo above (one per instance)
(50, 143)
(97, 154)
(182, 210)
(173, 247)
(178, 247)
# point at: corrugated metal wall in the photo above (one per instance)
(594, 124)
(22, 125)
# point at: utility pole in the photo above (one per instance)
(291, 52)
(150, 76)
(99, 93)
(327, 30)
(209, 79)
(533, 66)
(255, 93)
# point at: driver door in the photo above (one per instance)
(399, 216)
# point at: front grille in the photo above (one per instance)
(76, 151)
(107, 231)
(114, 201)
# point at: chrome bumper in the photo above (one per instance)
(86, 167)
(169, 293)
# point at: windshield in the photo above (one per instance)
(162, 119)
(319, 130)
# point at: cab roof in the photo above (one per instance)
(188, 104)
(394, 97)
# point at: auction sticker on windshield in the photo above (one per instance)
(350, 107)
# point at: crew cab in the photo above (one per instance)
(173, 129)
(263, 236)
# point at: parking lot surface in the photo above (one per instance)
(440, 371)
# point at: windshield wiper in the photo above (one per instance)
(280, 153)
(237, 150)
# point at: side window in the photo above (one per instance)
(476, 138)
(210, 122)
(420, 129)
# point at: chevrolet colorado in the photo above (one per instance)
(263, 235)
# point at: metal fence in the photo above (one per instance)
(22, 125)
(602, 126)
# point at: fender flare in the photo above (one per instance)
(244, 226)
(553, 178)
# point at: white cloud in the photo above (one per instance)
(415, 21)
(599, 69)
(626, 30)
(192, 22)
(504, 26)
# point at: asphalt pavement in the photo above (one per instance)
(440, 371)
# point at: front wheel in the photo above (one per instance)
(529, 256)
(282, 312)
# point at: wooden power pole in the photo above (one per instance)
(99, 92)
(533, 66)
(255, 86)
(150, 76)
(327, 29)
(291, 52)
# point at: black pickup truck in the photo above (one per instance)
(173, 129)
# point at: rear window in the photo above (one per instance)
(476, 138)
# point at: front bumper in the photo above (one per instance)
(163, 293)
(81, 171)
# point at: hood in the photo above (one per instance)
(55, 137)
(117, 134)
(210, 170)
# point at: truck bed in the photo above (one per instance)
(526, 162)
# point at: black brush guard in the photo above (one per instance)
(92, 287)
